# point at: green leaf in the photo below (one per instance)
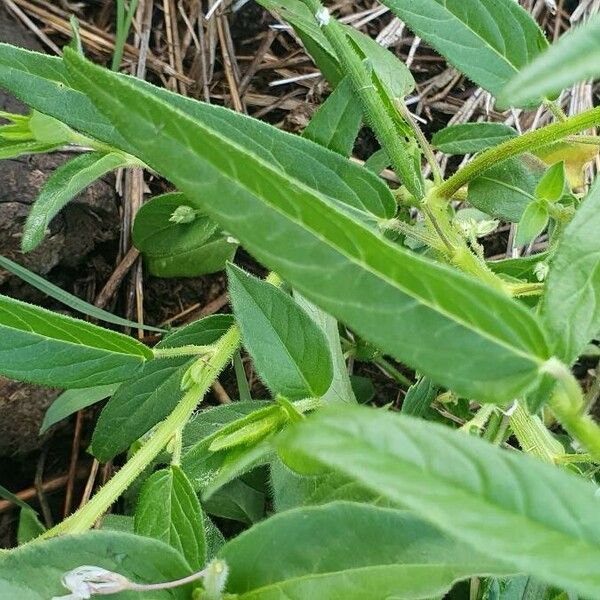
(39, 346)
(29, 527)
(393, 73)
(34, 572)
(418, 399)
(487, 346)
(147, 399)
(552, 185)
(14, 149)
(168, 510)
(290, 352)
(570, 307)
(61, 187)
(490, 41)
(468, 138)
(505, 191)
(190, 248)
(71, 401)
(573, 58)
(337, 122)
(519, 268)
(481, 494)
(532, 223)
(202, 462)
(363, 552)
(41, 82)
(67, 299)
(237, 501)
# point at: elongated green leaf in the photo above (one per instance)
(490, 41)
(520, 268)
(418, 399)
(570, 306)
(575, 57)
(168, 510)
(147, 399)
(486, 345)
(337, 122)
(176, 241)
(14, 149)
(471, 137)
(71, 401)
(505, 191)
(488, 497)
(290, 352)
(41, 81)
(61, 187)
(43, 347)
(67, 299)
(394, 74)
(35, 571)
(363, 552)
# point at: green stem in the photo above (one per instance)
(477, 423)
(375, 110)
(533, 436)
(86, 516)
(568, 405)
(189, 350)
(514, 147)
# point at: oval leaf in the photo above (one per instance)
(570, 307)
(169, 510)
(179, 246)
(485, 496)
(289, 350)
(468, 138)
(39, 346)
(489, 41)
(363, 552)
(573, 58)
(486, 345)
(34, 572)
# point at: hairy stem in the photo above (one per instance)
(514, 147)
(533, 436)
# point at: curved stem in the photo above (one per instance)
(516, 146)
(86, 516)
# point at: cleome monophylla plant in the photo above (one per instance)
(333, 500)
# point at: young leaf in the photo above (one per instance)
(525, 268)
(39, 346)
(485, 496)
(487, 346)
(418, 399)
(505, 191)
(14, 149)
(149, 397)
(71, 401)
(34, 572)
(576, 157)
(363, 552)
(61, 187)
(177, 241)
(41, 82)
(289, 350)
(570, 307)
(574, 57)
(85, 308)
(29, 527)
(168, 510)
(489, 41)
(532, 223)
(469, 138)
(552, 185)
(337, 122)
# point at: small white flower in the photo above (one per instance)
(322, 17)
(86, 580)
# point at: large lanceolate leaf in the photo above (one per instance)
(62, 186)
(169, 510)
(488, 497)
(146, 399)
(490, 41)
(35, 571)
(290, 351)
(350, 551)
(461, 333)
(41, 81)
(43, 347)
(571, 303)
(575, 57)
